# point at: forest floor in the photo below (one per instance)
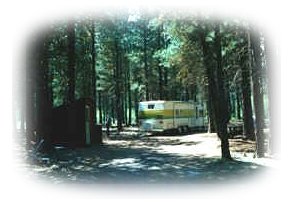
(130, 158)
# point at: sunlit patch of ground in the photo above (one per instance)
(173, 159)
(206, 145)
(240, 145)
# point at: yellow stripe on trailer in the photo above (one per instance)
(166, 113)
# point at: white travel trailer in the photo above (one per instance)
(163, 115)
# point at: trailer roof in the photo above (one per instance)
(153, 101)
(163, 101)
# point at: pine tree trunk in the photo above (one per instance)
(71, 62)
(43, 103)
(99, 98)
(30, 98)
(160, 68)
(210, 108)
(93, 76)
(125, 86)
(274, 134)
(119, 104)
(246, 95)
(136, 106)
(166, 84)
(50, 85)
(258, 94)
(216, 90)
(125, 109)
(145, 33)
(211, 84)
(104, 102)
(22, 118)
(112, 108)
(160, 82)
(221, 104)
(129, 95)
(223, 134)
(239, 105)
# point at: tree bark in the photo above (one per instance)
(211, 118)
(119, 107)
(30, 84)
(216, 90)
(43, 103)
(160, 67)
(272, 71)
(136, 106)
(165, 84)
(246, 94)
(145, 58)
(239, 104)
(258, 93)
(129, 95)
(100, 108)
(221, 104)
(71, 62)
(22, 118)
(211, 84)
(93, 76)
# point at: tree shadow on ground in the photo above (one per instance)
(139, 161)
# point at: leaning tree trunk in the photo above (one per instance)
(258, 93)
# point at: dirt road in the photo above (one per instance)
(133, 159)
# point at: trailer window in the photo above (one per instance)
(151, 106)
